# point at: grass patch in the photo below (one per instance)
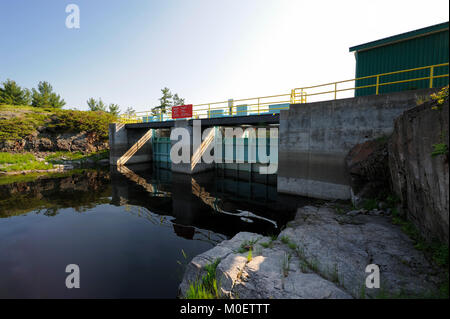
(285, 240)
(247, 245)
(20, 162)
(268, 244)
(60, 156)
(285, 265)
(206, 288)
(31, 165)
(436, 250)
(10, 158)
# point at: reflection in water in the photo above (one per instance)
(225, 202)
(126, 228)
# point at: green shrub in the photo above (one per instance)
(77, 121)
(15, 128)
(27, 119)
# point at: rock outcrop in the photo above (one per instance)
(321, 254)
(50, 142)
(368, 167)
(419, 179)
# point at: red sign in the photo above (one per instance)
(181, 111)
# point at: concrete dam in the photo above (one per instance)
(309, 151)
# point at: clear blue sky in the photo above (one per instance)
(206, 50)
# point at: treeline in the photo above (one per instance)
(11, 93)
(43, 96)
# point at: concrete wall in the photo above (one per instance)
(316, 137)
(121, 140)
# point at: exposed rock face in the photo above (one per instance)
(367, 164)
(262, 277)
(326, 257)
(422, 181)
(50, 142)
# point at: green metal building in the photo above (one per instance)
(419, 48)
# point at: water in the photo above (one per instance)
(131, 232)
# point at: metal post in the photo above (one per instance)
(230, 106)
(378, 82)
(258, 106)
(335, 90)
(209, 111)
(431, 76)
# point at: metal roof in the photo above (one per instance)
(401, 37)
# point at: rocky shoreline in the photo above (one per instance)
(321, 254)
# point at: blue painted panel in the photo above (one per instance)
(241, 110)
(216, 113)
(276, 108)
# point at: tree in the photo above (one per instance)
(130, 111)
(95, 105)
(13, 94)
(114, 109)
(165, 100)
(45, 97)
(177, 100)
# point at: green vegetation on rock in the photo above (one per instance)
(17, 122)
(206, 288)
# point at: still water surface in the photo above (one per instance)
(130, 231)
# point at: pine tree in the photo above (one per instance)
(165, 100)
(130, 111)
(13, 94)
(95, 105)
(114, 109)
(45, 97)
(177, 100)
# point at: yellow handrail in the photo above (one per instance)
(301, 91)
(273, 103)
